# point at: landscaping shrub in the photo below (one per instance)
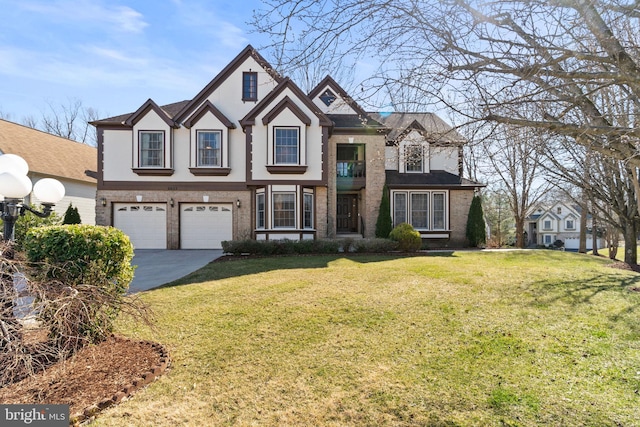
(86, 271)
(476, 231)
(383, 223)
(71, 215)
(408, 238)
(280, 247)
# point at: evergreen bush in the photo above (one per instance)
(383, 223)
(476, 231)
(71, 215)
(409, 240)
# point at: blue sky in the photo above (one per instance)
(113, 55)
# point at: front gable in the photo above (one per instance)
(226, 89)
(330, 98)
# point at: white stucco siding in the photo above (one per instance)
(152, 122)
(117, 153)
(444, 158)
(228, 96)
(339, 106)
(310, 152)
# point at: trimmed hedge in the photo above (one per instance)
(89, 270)
(319, 246)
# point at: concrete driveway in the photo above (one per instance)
(159, 266)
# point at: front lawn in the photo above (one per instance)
(471, 338)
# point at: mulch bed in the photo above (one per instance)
(95, 378)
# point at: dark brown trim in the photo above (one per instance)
(144, 109)
(208, 107)
(100, 148)
(202, 171)
(247, 52)
(281, 106)
(370, 130)
(174, 186)
(152, 171)
(265, 182)
(248, 153)
(286, 169)
(286, 83)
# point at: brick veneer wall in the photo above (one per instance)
(242, 225)
(371, 195)
(459, 202)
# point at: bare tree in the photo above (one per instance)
(515, 56)
(70, 120)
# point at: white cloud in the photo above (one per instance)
(89, 12)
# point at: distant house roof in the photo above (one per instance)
(170, 110)
(427, 122)
(48, 154)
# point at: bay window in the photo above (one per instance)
(307, 218)
(260, 210)
(424, 210)
(284, 210)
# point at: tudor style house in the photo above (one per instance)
(253, 156)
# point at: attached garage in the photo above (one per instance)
(205, 225)
(144, 223)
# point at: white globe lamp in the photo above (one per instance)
(48, 190)
(14, 186)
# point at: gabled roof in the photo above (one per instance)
(170, 110)
(286, 83)
(209, 107)
(429, 124)
(144, 109)
(48, 154)
(247, 52)
(329, 81)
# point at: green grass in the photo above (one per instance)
(465, 339)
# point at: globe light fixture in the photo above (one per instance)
(15, 185)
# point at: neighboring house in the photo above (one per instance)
(49, 156)
(560, 221)
(252, 156)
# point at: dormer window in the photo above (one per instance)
(286, 146)
(413, 158)
(151, 149)
(327, 97)
(559, 210)
(209, 148)
(250, 86)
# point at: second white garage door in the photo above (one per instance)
(205, 226)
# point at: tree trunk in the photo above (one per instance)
(630, 248)
(594, 234)
(520, 243)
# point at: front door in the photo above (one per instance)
(347, 213)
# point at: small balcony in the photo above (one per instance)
(350, 174)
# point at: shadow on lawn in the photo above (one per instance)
(234, 266)
(582, 291)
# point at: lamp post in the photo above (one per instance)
(15, 186)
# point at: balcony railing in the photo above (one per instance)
(350, 169)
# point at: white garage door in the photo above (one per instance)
(144, 223)
(205, 225)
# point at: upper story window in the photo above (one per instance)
(546, 225)
(250, 86)
(286, 146)
(328, 97)
(559, 210)
(413, 158)
(569, 225)
(209, 148)
(151, 149)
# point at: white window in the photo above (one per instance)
(209, 148)
(286, 146)
(399, 208)
(424, 210)
(151, 149)
(570, 225)
(260, 210)
(547, 239)
(284, 210)
(413, 158)
(307, 219)
(546, 224)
